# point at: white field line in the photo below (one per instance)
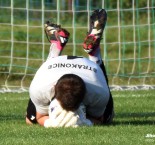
(131, 95)
(114, 96)
(14, 98)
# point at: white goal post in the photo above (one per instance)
(128, 45)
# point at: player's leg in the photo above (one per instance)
(92, 41)
(92, 46)
(57, 36)
(109, 111)
(31, 113)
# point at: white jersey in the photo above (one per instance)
(42, 86)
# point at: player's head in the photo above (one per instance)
(69, 91)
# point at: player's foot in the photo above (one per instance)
(97, 23)
(56, 34)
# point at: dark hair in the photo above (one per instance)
(70, 91)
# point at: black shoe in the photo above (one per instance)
(54, 32)
(97, 23)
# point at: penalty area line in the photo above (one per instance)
(131, 96)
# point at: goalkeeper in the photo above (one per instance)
(70, 81)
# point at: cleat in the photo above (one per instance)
(97, 23)
(54, 32)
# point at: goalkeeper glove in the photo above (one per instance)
(58, 117)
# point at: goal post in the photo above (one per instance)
(127, 47)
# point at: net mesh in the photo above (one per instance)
(128, 45)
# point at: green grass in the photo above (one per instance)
(134, 119)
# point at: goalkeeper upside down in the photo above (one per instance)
(70, 81)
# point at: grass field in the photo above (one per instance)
(134, 123)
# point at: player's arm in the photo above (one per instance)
(41, 118)
(41, 107)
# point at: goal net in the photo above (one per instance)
(128, 45)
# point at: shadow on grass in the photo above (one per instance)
(139, 118)
(11, 117)
(137, 114)
(134, 122)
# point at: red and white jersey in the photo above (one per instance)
(42, 86)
